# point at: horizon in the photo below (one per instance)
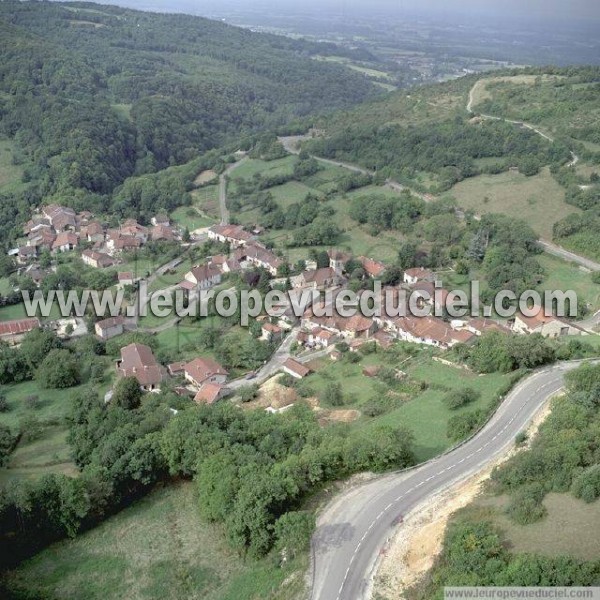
(577, 12)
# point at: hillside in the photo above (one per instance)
(92, 94)
(523, 141)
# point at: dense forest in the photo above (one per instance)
(92, 95)
(449, 149)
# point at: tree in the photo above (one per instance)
(293, 531)
(461, 397)
(407, 256)
(127, 393)
(7, 443)
(58, 370)
(37, 345)
(332, 394)
(247, 393)
(31, 427)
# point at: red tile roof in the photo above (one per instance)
(373, 268)
(209, 393)
(18, 326)
(202, 369)
(137, 360)
(110, 323)
(419, 273)
(296, 367)
(204, 273)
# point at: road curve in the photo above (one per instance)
(559, 251)
(354, 528)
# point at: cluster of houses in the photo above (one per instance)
(325, 331)
(247, 252)
(60, 229)
(204, 378)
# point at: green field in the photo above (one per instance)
(48, 454)
(17, 311)
(172, 277)
(538, 200)
(423, 412)
(204, 211)
(157, 549)
(10, 174)
(252, 166)
(561, 275)
(546, 537)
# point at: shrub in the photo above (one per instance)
(247, 393)
(461, 426)
(332, 394)
(521, 438)
(458, 398)
(586, 485)
(526, 506)
(376, 407)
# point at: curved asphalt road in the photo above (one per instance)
(355, 527)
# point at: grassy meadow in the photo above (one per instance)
(157, 549)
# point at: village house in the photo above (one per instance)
(271, 333)
(322, 337)
(202, 371)
(125, 278)
(338, 260)
(295, 369)
(109, 328)
(36, 274)
(430, 331)
(203, 277)
(550, 327)
(60, 217)
(224, 264)
(176, 368)
(25, 254)
(357, 326)
(65, 241)
(162, 232)
(479, 326)
(83, 218)
(137, 360)
(318, 279)
(42, 239)
(417, 275)
(97, 260)
(160, 219)
(210, 393)
(259, 256)
(132, 228)
(235, 235)
(373, 268)
(12, 332)
(36, 224)
(427, 294)
(118, 242)
(383, 339)
(93, 232)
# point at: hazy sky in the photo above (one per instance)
(531, 9)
